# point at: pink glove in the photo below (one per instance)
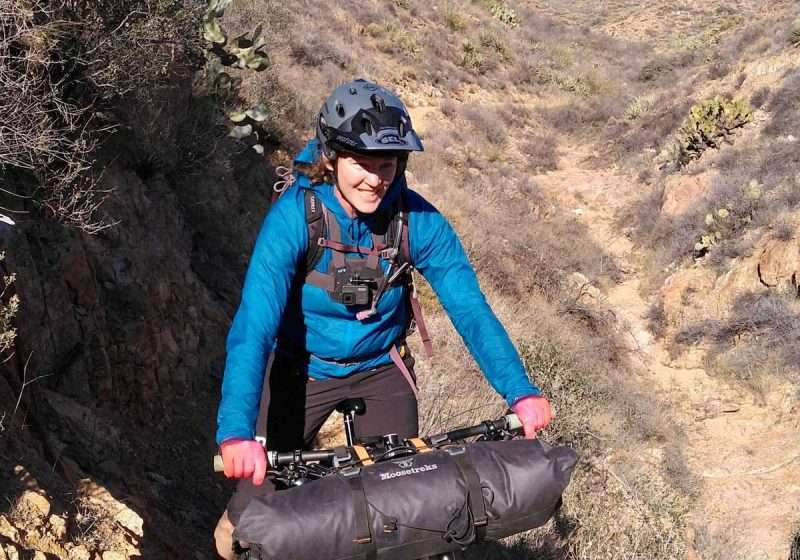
(244, 458)
(534, 413)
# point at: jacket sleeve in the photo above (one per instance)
(281, 243)
(437, 253)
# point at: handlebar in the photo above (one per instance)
(508, 423)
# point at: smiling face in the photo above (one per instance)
(362, 181)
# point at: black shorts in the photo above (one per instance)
(297, 408)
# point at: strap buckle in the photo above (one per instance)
(347, 472)
(389, 253)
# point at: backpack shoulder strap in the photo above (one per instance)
(398, 226)
(315, 222)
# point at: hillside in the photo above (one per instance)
(624, 175)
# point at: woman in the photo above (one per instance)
(326, 293)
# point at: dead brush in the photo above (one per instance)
(760, 336)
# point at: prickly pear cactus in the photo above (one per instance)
(708, 125)
(716, 222)
(503, 12)
(245, 52)
(723, 222)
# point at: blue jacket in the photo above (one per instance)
(275, 300)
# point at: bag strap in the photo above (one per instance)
(315, 222)
(363, 542)
(474, 494)
(416, 308)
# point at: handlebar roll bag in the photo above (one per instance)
(414, 506)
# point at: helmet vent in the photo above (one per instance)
(339, 109)
(367, 125)
(353, 91)
(378, 102)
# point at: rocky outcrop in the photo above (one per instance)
(119, 352)
(697, 296)
(683, 192)
(778, 264)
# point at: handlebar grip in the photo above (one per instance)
(513, 422)
(219, 466)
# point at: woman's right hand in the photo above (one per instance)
(244, 458)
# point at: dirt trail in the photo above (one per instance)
(746, 453)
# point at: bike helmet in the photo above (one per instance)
(363, 117)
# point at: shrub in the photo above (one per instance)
(654, 69)
(784, 107)
(503, 12)
(541, 152)
(454, 18)
(639, 106)
(759, 97)
(472, 58)
(395, 38)
(9, 306)
(761, 335)
(487, 122)
(794, 34)
(491, 40)
(708, 125)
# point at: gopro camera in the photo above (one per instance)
(355, 294)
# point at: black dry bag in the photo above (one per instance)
(411, 507)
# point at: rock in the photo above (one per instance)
(84, 421)
(168, 340)
(122, 514)
(9, 551)
(35, 503)
(685, 294)
(112, 555)
(741, 278)
(7, 530)
(38, 555)
(683, 192)
(80, 552)
(779, 264)
(58, 526)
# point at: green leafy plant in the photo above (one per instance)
(708, 125)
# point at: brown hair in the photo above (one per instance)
(317, 171)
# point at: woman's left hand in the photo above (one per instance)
(535, 414)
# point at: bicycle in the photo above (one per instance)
(302, 467)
